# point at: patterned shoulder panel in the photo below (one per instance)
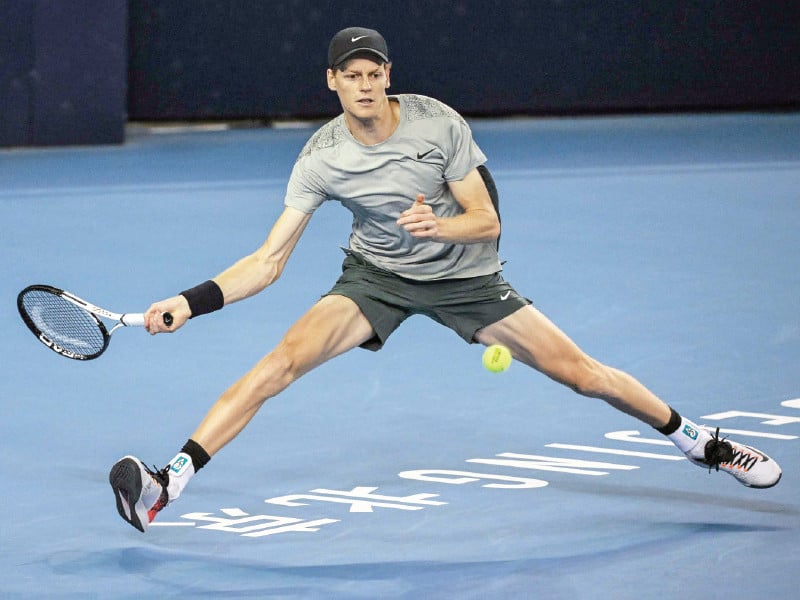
(423, 107)
(327, 136)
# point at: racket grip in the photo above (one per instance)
(167, 317)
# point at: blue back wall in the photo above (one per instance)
(62, 72)
(243, 59)
(76, 72)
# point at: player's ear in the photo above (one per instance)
(388, 67)
(331, 80)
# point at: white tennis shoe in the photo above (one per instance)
(140, 492)
(747, 465)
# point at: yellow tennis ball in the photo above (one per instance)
(496, 358)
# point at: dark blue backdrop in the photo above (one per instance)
(75, 72)
(238, 58)
(62, 72)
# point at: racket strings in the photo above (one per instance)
(65, 324)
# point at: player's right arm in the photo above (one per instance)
(246, 277)
(254, 272)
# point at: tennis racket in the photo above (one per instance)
(69, 325)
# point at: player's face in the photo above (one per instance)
(361, 87)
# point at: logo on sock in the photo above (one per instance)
(690, 432)
(179, 464)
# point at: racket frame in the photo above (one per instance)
(121, 320)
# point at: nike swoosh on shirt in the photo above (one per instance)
(421, 155)
(505, 296)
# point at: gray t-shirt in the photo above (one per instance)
(431, 146)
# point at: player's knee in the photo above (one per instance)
(288, 360)
(274, 372)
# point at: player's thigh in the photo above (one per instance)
(539, 343)
(332, 326)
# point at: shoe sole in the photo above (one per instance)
(126, 481)
(765, 487)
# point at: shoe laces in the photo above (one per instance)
(718, 450)
(160, 475)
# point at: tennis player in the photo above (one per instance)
(424, 241)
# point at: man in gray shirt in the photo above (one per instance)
(424, 241)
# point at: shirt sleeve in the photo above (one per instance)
(464, 153)
(305, 190)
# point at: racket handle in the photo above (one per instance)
(167, 317)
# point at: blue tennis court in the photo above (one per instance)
(668, 246)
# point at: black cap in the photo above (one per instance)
(356, 40)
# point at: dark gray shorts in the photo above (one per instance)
(463, 305)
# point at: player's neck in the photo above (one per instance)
(375, 129)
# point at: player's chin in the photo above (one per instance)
(365, 108)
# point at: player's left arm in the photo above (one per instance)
(478, 222)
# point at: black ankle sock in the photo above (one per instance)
(195, 451)
(672, 425)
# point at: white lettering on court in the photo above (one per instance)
(548, 463)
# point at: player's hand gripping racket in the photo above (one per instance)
(69, 325)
